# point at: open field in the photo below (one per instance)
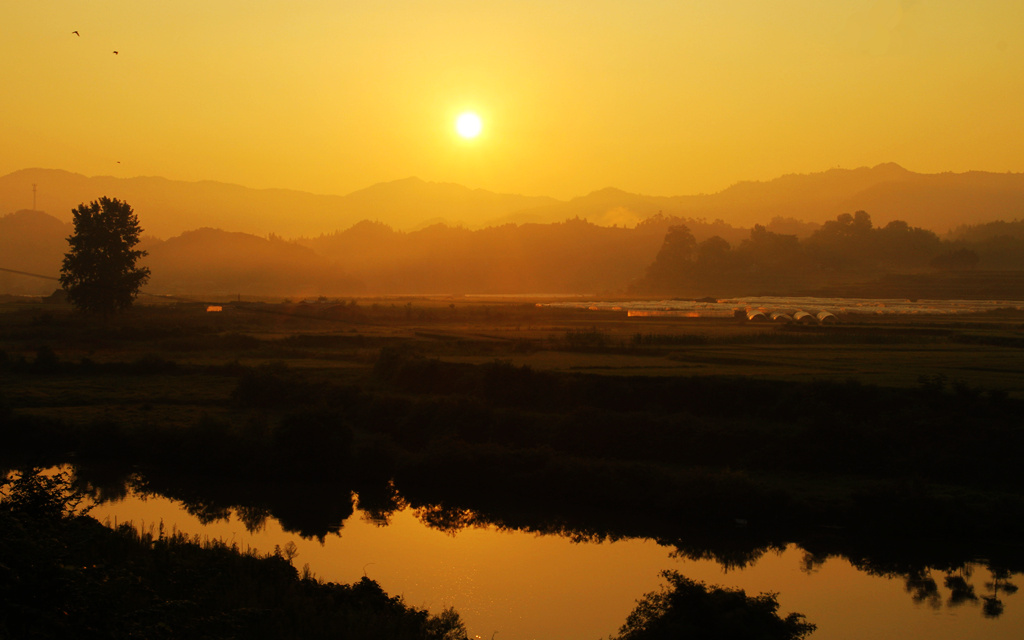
(341, 342)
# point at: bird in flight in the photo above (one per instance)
(77, 34)
(115, 53)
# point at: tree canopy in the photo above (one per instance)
(99, 273)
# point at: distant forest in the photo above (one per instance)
(846, 251)
(660, 256)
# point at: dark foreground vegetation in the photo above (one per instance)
(270, 415)
(64, 575)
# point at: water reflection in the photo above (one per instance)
(329, 519)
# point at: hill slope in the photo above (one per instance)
(888, 192)
(168, 207)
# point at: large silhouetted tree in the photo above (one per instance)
(99, 272)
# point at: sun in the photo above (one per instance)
(468, 125)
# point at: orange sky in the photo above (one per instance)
(659, 97)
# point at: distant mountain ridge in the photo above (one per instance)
(887, 191)
(167, 207)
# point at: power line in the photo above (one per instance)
(31, 275)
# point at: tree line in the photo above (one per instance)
(847, 249)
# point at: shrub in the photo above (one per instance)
(689, 609)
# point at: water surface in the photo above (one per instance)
(523, 585)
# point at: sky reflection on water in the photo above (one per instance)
(524, 585)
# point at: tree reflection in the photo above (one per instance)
(316, 510)
(811, 562)
(993, 605)
(960, 591)
(253, 518)
(923, 588)
(730, 558)
(447, 519)
(379, 501)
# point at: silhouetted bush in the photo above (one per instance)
(689, 609)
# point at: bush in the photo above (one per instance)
(689, 609)
(35, 494)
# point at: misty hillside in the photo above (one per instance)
(221, 263)
(33, 242)
(567, 257)
(937, 202)
(573, 256)
(371, 258)
(166, 208)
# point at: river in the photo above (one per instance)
(514, 585)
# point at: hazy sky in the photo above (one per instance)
(662, 97)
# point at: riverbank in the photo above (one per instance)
(720, 437)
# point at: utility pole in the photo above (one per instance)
(33, 196)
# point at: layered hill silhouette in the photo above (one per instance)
(222, 241)
(166, 208)
(368, 258)
(32, 242)
(845, 255)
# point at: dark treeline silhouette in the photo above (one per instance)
(844, 251)
(622, 456)
(572, 256)
(996, 245)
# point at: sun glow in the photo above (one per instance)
(468, 125)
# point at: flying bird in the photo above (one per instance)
(77, 34)
(115, 53)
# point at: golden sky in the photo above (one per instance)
(661, 97)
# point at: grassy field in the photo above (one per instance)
(341, 342)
